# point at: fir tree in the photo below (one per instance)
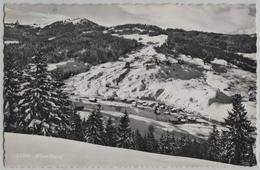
(124, 132)
(196, 150)
(183, 147)
(251, 157)
(94, 132)
(213, 145)
(139, 142)
(43, 110)
(164, 144)
(11, 95)
(41, 106)
(110, 133)
(151, 142)
(167, 144)
(240, 139)
(65, 105)
(77, 128)
(223, 147)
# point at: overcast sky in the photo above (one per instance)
(235, 19)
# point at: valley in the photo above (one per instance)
(198, 95)
(138, 69)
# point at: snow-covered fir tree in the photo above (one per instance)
(94, 132)
(239, 133)
(213, 144)
(124, 132)
(12, 81)
(42, 109)
(110, 133)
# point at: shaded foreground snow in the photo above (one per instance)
(30, 150)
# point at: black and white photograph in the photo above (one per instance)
(130, 85)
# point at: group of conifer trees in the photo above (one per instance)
(35, 103)
(95, 130)
(233, 145)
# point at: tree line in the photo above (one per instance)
(234, 145)
(34, 103)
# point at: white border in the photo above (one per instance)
(130, 1)
(133, 2)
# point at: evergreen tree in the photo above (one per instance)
(151, 142)
(196, 149)
(251, 157)
(139, 142)
(12, 83)
(213, 144)
(240, 139)
(127, 65)
(183, 147)
(94, 132)
(166, 144)
(124, 132)
(110, 133)
(77, 127)
(223, 147)
(41, 106)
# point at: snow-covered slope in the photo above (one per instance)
(191, 85)
(38, 151)
(251, 56)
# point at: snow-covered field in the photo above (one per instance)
(38, 151)
(189, 86)
(197, 130)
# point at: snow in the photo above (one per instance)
(105, 31)
(10, 25)
(251, 56)
(39, 151)
(216, 81)
(195, 61)
(84, 114)
(195, 129)
(111, 103)
(11, 42)
(219, 61)
(198, 130)
(51, 38)
(73, 20)
(145, 39)
(56, 65)
(87, 32)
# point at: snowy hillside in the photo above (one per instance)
(31, 150)
(176, 80)
(183, 82)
